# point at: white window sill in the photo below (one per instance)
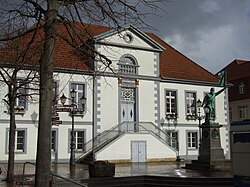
(21, 112)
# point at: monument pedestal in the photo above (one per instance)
(210, 146)
(211, 155)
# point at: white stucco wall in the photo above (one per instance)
(200, 91)
(146, 59)
(182, 125)
(31, 142)
(108, 102)
(30, 124)
(146, 101)
(118, 39)
(121, 148)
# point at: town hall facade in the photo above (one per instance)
(140, 108)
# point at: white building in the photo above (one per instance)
(140, 112)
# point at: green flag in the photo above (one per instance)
(222, 76)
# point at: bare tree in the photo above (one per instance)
(17, 71)
(46, 15)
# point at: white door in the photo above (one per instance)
(127, 116)
(127, 109)
(138, 151)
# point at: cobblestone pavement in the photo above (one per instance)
(172, 169)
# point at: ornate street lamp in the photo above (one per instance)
(73, 107)
(83, 102)
(199, 104)
(72, 160)
(193, 107)
(193, 116)
(63, 99)
(73, 95)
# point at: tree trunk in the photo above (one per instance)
(10, 172)
(43, 158)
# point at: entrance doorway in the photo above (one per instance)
(138, 151)
(128, 109)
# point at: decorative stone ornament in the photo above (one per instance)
(215, 134)
(172, 116)
(128, 38)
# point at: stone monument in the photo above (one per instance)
(211, 155)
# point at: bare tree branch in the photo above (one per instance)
(39, 19)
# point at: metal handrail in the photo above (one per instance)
(89, 144)
(24, 166)
(52, 174)
(162, 135)
(102, 138)
(106, 136)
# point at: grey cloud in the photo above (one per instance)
(191, 27)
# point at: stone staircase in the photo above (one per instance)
(108, 136)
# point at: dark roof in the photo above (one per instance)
(173, 64)
(237, 69)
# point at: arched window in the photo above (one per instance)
(128, 65)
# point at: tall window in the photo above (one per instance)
(173, 139)
(79, 140)
(242, 88)
(190, 100)
(230, 114)
(21, 100)
(192, 140)
(127, 65)
(20, 140)
(80, 91)
(243, 112)
(171, 102)
(53, 140)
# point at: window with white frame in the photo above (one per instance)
(173, 139)
(242, 88)
(21, 99)
(243, 111)
(127, 65)
(53, 140)
(190, 100)
(171, 102)
(20, 140)
(79, 139)
(80, 91)
(192, 140)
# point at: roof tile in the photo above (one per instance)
(173, 64)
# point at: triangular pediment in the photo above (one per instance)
(129, 36)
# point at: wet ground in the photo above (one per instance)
(171, 169)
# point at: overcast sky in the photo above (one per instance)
(210, 32)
